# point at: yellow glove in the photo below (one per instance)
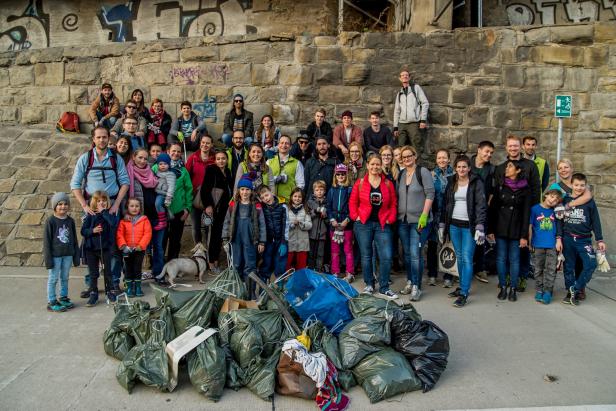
(304, 339)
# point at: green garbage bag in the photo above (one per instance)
(200, 310)
(128, 325)
(228, 283)
(171, 298)
(267, 324)
(361, 337)
(207, 369)
(164, 319)
(246, 342)
(326, 342)
(384, 374)
(236, 377)
(262, 375)
(367, 304)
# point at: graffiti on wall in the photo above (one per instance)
(30, 28)
(119, 19)
(548, 12)
(185, 75)
(207, 109)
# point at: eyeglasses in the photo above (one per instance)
(130, 123)
(238, 101)
(408, 156)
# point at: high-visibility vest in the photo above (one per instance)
(540, 162)
(289, 168)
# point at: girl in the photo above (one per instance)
(317, 208)
(244, 229)
(133, 236)
(159, 124)
(509, 215)
(355, 162)
(196, 166)
(463, 218)
(256, 168)
(98, 240)
(300, 224)
(137, 97)
(340, 222)
(267, 135)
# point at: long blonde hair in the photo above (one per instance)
(393, 168)
(99, 195)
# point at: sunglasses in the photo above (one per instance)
(302, 142)
(133, 107)
(340, 174)
(238, 101)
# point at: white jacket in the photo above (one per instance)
(408, 109)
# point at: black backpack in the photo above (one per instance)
(114, 167)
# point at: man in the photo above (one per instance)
(238, 119)
(288, 171)
(129, 126)
(376, 135)
(131, 111)
(529, 143)
(101, 169)
(319, 127)
(105, 109)
(411, 115)
(302, 149)
(319, 167)
(187, 129)
(237, 152)
(346, 133)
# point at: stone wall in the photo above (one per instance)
(482, 84)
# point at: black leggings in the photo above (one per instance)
(93, 258)
(174, 236)
(132, 265)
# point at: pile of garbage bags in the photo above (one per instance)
(345, 339)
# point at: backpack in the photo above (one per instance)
(114, 167)
(419, 103)
(68, 123)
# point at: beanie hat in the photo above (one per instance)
(347, 114)
(60, 196)
(341, 168)
(245, 182)
(164, 158)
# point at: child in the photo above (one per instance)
(318, 212)
(133, 236)
(277, 229)
(341, 226)
(244, 229)
(97, 232)
(542, 236)
(574, 239)
(154, 152)
(165, 189)
(60, 249)
(300, 224)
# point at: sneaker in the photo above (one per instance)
(147, 275)
(388, 294)
(416, 293)
(539, 296)
(502, 294)
(349, 278)
(455, 293)
(55, 307)
(432, 281)
(215, 270)
(93, 299)
(574, 300)
(567, 298)
(513, 296)
(447, 284)
(111, 297)
(407, 288)
(581, 295)
(85, 293)
(521, 285)
(482, 277)
(66, 303)
(547, 297)
(368, 290)
(460, 301)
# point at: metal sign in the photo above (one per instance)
(563, 106)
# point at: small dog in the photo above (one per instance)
(196, 265)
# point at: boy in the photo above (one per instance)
(165, 189)
(105, 108)
(542, 236)
(316, 206)
(574, 239)
(277, 229)
(60, 249)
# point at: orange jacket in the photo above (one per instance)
(134, 234)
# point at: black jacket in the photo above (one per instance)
(302, 156)
(476, 204)
(216, 178)
(530, 172)
(276, 221)
(509, 212)
(486, 174)
(316, 169)
(325, 130)
(249, 128)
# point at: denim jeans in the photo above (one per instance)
(578, 248)
(524, 262)
(272, 261)
(464, 246)
(61, 267)
(158, 251)
(412, 244)
(365, 235)
(159, 203)
(108, 122)
(507, 261)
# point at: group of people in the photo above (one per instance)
(339, 200)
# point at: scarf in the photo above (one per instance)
(516, 185)
(157, 118)
(296, 209)
(176, 166)
(145, 176)
(104, 106)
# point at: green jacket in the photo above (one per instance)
(183, 196)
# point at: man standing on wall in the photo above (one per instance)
(529, 144)
(411, 115)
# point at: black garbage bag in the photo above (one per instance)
(171, 298)
(235, 375)
(207, 368)
(228, 283)
(246, 343)
(129, 327)
(201, 310)
(367, 304)
(266, 332)
(424, 345)
(361, 337)
(262, 375)
(162, 315)
(384, 374)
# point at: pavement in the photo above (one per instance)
(500, 354)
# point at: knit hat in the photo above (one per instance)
(245, 182)
(60, 196)
(347, 114)
(163, 158)
(341, 168)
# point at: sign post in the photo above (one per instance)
(562, 108)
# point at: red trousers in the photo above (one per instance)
(299, 257)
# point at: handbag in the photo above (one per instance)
(197, 203)
(217, 195)
(447, 259)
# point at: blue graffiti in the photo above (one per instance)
(119, 19)
(207, 109)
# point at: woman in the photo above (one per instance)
(159, 124)
(256, 168)
(355, 162)
(508, 221)
(137, 97)
(463, 217)
(267, 135)
(440, 174)
(415, 196)
(372, 207)
(196, 165)
(390, 169)
(181, 205)
(215, 196)
(123, 147)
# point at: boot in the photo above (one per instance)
(161, 224)
(130, 288)
(502, 294)
(512, 294)
(137, 285)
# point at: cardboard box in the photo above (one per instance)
(232, 304)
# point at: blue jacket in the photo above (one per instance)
(582, 220)
(97, 241)
(338, 204)
(276, 224)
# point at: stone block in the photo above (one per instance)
(32, 114)
(607, 123)
(120, 70)
(8, 114)
(395, 56)
(600, 163)
(537, 35)
(51, 187)
(457, 117)
(6, 171)
(257, 52)
(9, 217)
(36, 202)
(423, 56)
(439, 115)
(328, 74)
(355, 74)
(595, 56)
(605, 32)
(25, 187)
(378, 40)
(565, 55)
(35, 260)
(207, 53)
(580, 79)
(505, 118)
(264, 74)
(20, 246)
(408, 40)
(440, 39)
(321, 41)
(145, 58)
(514, 75)
(453, 139)
(477, 135)
(31, 173)
(329, 54)
(363, 55)
(168, 94)
(477, 116)
(5, 230)
(464, 96)
(6, 185)
(82, 71)
(436, 94)
(470, 39)
(601, 101)
(236, 73)
(21, 75)
(274, 94)
(386, 75)
(170, 56)
(30, 232)
(532, 122)
(47, 95)
(12, 202)
(4, 77)
(78, 95)
(285, 113)
(579, 35)
(383, 95)
(31, 218)
(295, 75)
(606, 84)
(161, 74)
(525, 99)
(549, 78)
(281, 51)
(492, 97)
(305, 54)
(48, 74)
(307, 93)
(338, 94)
(570, 123)
(484, 81)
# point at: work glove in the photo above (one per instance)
(283, 178)
(441, 233)
(560, 261)
(126, 249)
(559, 212)
(180, 136)
(480, 237)
(282, 250)
(225, 245)
(423, 221)
(602, 264)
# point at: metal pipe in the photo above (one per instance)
(340, 16)
(479, 13)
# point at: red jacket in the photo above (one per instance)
(133, 235)
(196, 168)
(340, 138)
(359, 203)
